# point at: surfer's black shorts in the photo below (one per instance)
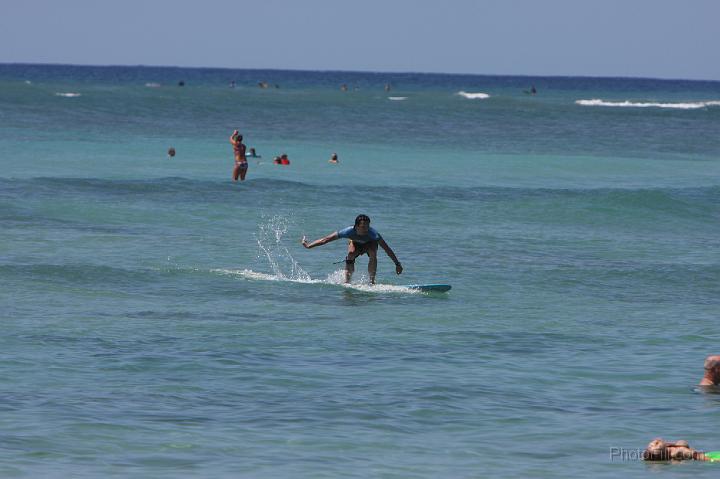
(359, 249)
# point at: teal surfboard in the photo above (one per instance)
(436, 288)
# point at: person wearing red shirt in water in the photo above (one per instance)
(241, 164)
(284, 159)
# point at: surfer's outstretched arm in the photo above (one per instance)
(321, 241)
(391, 254)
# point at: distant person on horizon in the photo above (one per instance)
(333, 159)
(712, 372)
(533, 90)
(241, 164)
(343, 87)
(362, 240)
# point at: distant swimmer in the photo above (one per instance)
(343, 87)
(333, 158)
(284, 160)
(181, 83)
(660, 450)
(232, 84)
(387, 87)
(253, 154)
(712, 372)
(171, 152)
(277, 161)
(531, 91)
(362, 240)
(241, 164)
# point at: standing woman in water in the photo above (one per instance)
(241, 164)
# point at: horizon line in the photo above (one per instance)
(523, 75)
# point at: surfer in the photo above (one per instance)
(333, 158)
(659, 450)
(241, 164)
(712, 372)
(362, 240)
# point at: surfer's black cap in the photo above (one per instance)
(360, 218)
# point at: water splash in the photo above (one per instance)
(270, 241)
(336, 278)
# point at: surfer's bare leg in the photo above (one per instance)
(372, 263)
(349, 270)
(350, 262)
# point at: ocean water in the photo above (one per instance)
(160, 320)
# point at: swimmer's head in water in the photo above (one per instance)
(656, 451)
(712, 362)
(659, 450)
(364, 218)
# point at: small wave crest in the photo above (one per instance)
(67, 95)
(152, 85)
(473, 96)
(335, 278)
(397, 98)
(636, 104)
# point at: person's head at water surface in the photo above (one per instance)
(660, 450)
(334, 158)
(171, 152)
(712, 371)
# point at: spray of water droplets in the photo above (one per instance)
(270, 242)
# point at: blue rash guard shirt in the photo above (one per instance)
(353, 235)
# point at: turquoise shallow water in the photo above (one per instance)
(162, 321)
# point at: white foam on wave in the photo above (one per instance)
(336, 278)
(67, 95)
(152, 85)
(635, 104)
(473, 96)
(397, 98)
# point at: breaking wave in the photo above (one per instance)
(635, 104)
